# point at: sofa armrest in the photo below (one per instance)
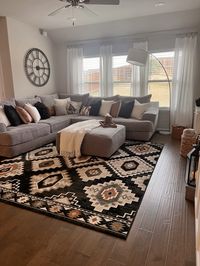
(152, 115)
(2, 128)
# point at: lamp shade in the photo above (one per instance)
(137, 56)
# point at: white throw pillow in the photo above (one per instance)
(3, 118)
(105, 107)
(32, 110)
(139, 109)
(61, 106)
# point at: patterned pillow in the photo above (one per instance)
(73, 107)
(85, 110)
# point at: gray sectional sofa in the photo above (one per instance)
(26, 137)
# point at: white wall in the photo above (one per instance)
(23, 37)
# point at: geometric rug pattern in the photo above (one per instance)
(103, 194)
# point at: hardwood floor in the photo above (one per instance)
(162, 234)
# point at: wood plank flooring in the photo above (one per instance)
(162, 234)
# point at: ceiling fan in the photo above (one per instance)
(82, 4)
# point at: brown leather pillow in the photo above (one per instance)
(24, 115)
(114, 111)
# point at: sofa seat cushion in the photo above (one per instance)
(132, 124)
(83, 118)
(23, 133)
(57, 123)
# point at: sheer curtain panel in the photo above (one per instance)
(140, 73)
(74, 70)
(106, 70)
(183, 81)
(2, 89)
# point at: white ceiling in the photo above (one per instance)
(36, 12)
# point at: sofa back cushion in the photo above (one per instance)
(3, 118)
(48, 101)
(12, 115)
(83, 98)
(24, 115)
(8, 102)
(92, 99)
(142, 99)
(32, 101)
(43, 110)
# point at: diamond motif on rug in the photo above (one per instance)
(93, 172)
(142, 149)
(130, 166)
(11, 169)
(49, 181)
(109, 195)
(45, 164)
(41, 153)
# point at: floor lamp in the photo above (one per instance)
(139, 57)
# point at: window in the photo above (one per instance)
(91, 75)
(122, 76)
(157, 83)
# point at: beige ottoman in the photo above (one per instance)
(102, 142)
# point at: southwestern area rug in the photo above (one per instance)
(103, 194)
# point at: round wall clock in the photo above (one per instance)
(37, 67)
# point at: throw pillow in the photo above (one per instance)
(105, 107)
(12, 115)
(85, 110)
(126, 109)
(32, 110)
(43, 110)
(115, 108)
(95, 107)
(73, 107)
(61, 106)
(3, 118)
(139, 109)
(24, 115)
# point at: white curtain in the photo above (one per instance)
(74, 70)
(183, 81)
(140, 74)
(2, 89)
(106, 70)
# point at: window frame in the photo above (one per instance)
(92, 82)
(161, 80)
(122, 82)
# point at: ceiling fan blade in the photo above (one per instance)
(85, 8)
(101, 2)
(58, 10)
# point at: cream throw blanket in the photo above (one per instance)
(71, 137)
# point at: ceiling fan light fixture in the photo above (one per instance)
(159, 4)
